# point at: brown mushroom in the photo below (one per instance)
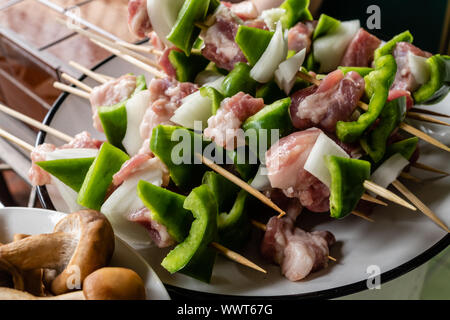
(9, 272)
(82, 241)
(103, 284)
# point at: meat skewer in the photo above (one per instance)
(225, 251)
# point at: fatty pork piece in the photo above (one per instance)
(298, 252)
(138, 19)
(246, 10)
(285, 163)
(404, 79)
(334, 100)
(361, 50)
(40, 177)
(109, 94)
(165, 98)
(219, 44)
(300, 36)
(224, 127)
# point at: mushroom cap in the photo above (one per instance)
(114, 284)
(92, 250)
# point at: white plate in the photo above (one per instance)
(37, 221)
(397, 242)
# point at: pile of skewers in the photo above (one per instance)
(336, 97)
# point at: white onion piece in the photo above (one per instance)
(163, 15)
(315, 164)
(329, 49)
(123, 201)
(195, 107)
(262, 5)
(419, 68)
(136, 106)
(67, 194)
(72, 153)
(285, 75)
(275, 53)
(389, 171)
(272, 16)
(261, 181)
(207, 76)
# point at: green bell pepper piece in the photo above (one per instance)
(378, 83)
(184, 175)
(325, 25)
(109, 160)
(241, 162)
(70, 171)
(253, 42)
(166, 208)
(392, 115)
(238, 80)
(223, 190)
(215, 96)
(438, 74)
(363, 71)
(187, 68)
(405, 147)
(390, 45)
(184, 33)
(296, 11)
(114, 118)
(194, 254)
(270, 92)
(347, 184)
(274, 116)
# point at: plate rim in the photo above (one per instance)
(332, 293)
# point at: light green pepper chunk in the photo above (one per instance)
(71, 172)
(438, 74)
(347, 184)
(187, 68)
(238, 80)
(390, 45)
(325, 25)
(363, 71)
(95, 186)
(296, 11)
(166, 208)
(194, 256)
(215, 96)
(184, 33)
(253, 42)
(378, 83)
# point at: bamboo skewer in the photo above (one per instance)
(422, 117)
(404, 126)
(419, 204)
(369, 198)
(422, 166)
(432, 113)
(102, 79)
(16, 140)
(408, 176)
(369, 185)
(139, 48)
(362, 215)
(77, 92)
(76, 82)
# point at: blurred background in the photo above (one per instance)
(35, 49)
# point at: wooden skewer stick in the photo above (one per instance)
(66, 88)
(404, 126)
(131, 60)
(16, 140)
(139, 48)
(362, 215)
(236, 257)
(432, 113)
(408, 176)
(369, 198)
(263, 227)
(422, 117)
(422, 207)
(102, 79)
(35, 123)
(369, 185)
(422, 166)
(76, 82)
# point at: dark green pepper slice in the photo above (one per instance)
(438, 74)
(70, 171)
(270, 92)
(390, 45)
(244, 162)
(194, 252)
(296, 11)
(189, 173)
(184, 33)
(325, 25)
(378, 83)
(238, 80)
(223, 190)
(166, 208)
(363, 71)
(253, 42)
(347, 184)
(215, 96)
(100, 175)
(187, 68)
(392, 115)
(405, 147)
